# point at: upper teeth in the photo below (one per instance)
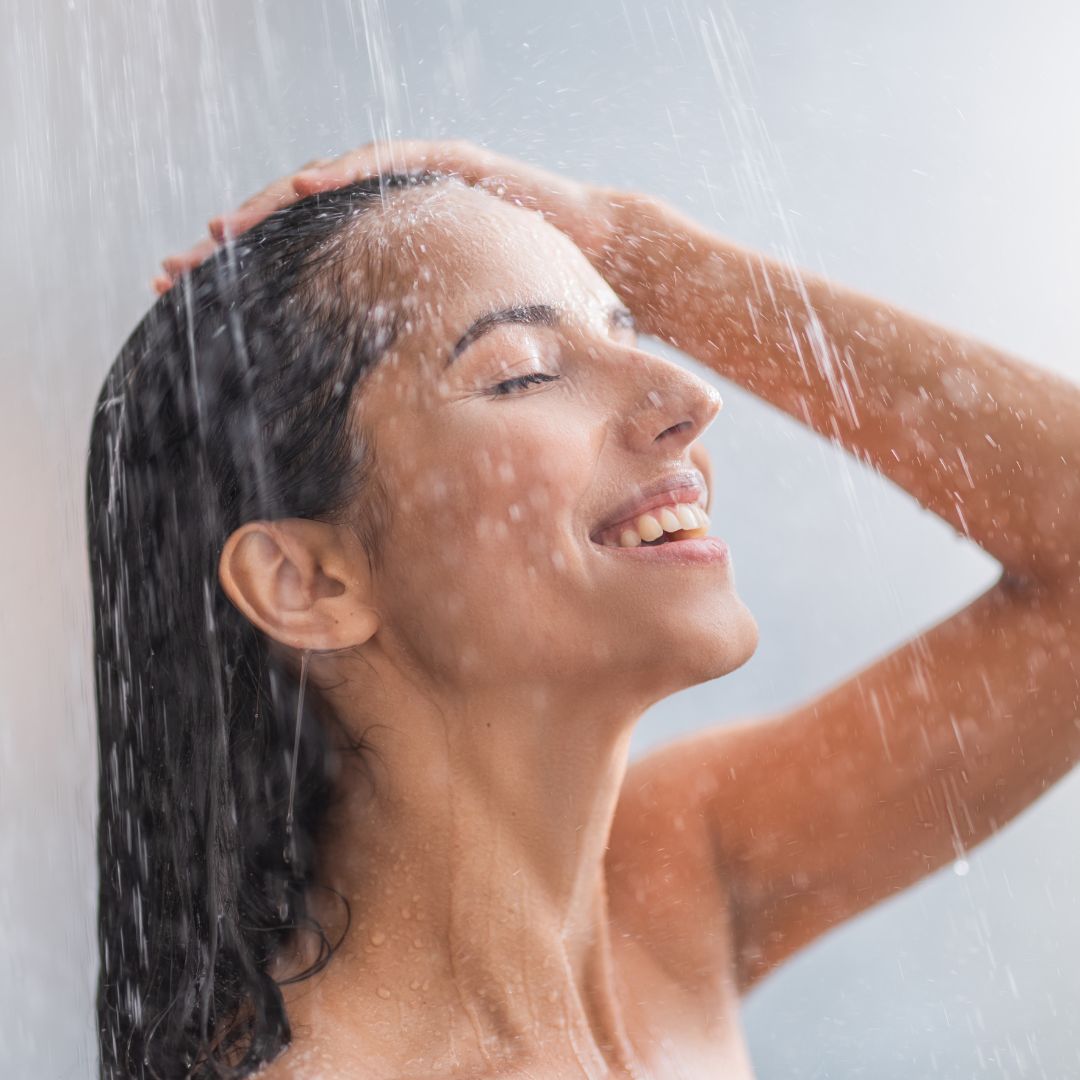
(653, 525)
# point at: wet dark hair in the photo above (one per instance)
(230, 402)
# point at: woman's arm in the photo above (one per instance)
(984, 440)
(820, 812)
(989, 443)
(816, 814)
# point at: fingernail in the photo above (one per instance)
(305, 183)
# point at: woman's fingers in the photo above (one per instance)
(188, 260)
(568, 204)
(474, 164)
(329, 174)
(275, 197)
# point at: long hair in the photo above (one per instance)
(229, 402)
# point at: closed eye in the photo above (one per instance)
(521, 382)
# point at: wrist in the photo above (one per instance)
(646, 254)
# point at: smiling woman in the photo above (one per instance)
(309, 447)
(391, 515)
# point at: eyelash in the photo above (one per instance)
(522, 382)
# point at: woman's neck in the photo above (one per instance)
(470, 848)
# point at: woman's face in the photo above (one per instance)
(490, 570)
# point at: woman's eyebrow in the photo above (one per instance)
(529, 315)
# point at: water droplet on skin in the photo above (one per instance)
(377, 937)
(553, 995)
(406, 913)
(383, 992)
(418, 943)
(414, 985)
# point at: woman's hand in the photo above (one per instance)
(589, 215)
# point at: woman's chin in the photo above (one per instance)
(685, 649)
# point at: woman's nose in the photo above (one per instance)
(673, 405)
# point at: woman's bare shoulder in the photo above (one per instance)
(305, 1062)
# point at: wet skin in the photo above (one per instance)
(525, 905)
(503, 881)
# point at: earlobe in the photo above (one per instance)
(304, 583)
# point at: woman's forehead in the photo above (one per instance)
(456, 251)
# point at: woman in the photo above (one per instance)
(396, 530)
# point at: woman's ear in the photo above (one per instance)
(306, 584)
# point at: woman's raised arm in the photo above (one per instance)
(818, 813)
(986, 441)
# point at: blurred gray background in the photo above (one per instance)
(923, 151)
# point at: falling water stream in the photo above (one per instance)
(921, 153)
(305, 661)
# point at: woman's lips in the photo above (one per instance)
(685, 486)
(707, 551)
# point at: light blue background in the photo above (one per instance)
(923, 151)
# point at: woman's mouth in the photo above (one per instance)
(675, 522)
(667, 522)
(673, 533)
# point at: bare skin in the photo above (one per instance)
(524, 904)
